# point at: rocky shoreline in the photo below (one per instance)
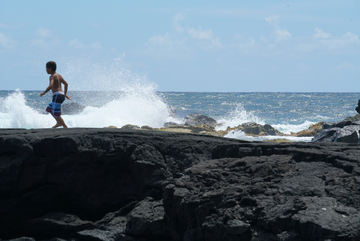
(117, 184)
(346, 130)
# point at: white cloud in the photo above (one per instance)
(6, 42)
(347, 40)
(200, 34)
(44, 33)
(96, 46)
(175, 22)
(11, 26)
(45, 38)
(346, 66)
(161, 39)
(278, 33)
(75, 43)
(167, 46)
(318, 33)
(242, 44)
(186, 42)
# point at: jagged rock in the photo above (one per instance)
(339, 124)
(196, 119)
(326, 135)
(130, 127)
(341, 131)
(357, 109)
(167, 124)
(312, 130)
(348, 134)
(87, 172)
(211, 188)
(255, 129)
(147, 220)
(277, 195)
(353, 118)
(111, 127)
(201, 129)
(56, 225)
(22, 239)
(72, 108)
(326, 218)
(111, 227)
(338, 132)
(282, 140)
(147, 128)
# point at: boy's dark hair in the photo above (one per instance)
(51, 65)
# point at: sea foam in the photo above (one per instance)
(15, 113)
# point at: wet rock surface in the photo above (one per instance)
(196, 119)
(113, 184)
(341, 131)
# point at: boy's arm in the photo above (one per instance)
(48, 88)
(65, 88)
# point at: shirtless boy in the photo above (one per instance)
(54, 107)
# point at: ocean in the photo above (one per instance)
(287, 112)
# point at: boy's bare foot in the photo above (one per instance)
(58, 125)
(60, 122)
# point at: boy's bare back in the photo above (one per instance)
(55, 81)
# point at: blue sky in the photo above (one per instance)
(217, 46)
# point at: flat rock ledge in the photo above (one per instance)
(113, 184)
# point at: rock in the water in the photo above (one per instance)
(255, 129)
(312, 130)
(326, 135)
(345, 131)
(348, 134)
(167, 124)
(353, 118)
(358, 107)
(195, 119)
(72, 108)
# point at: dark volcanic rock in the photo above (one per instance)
(244, 198)
(112, 184)
(195, 119)
(148, 220)
(56, 225)
(338, 132)
(341, 131)
(88, 172)
(256, 129)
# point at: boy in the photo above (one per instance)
(54, 107)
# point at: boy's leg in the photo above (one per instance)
(60, 122)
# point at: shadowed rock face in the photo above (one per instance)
(342, 131)
(111, 184)
(196, 119)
